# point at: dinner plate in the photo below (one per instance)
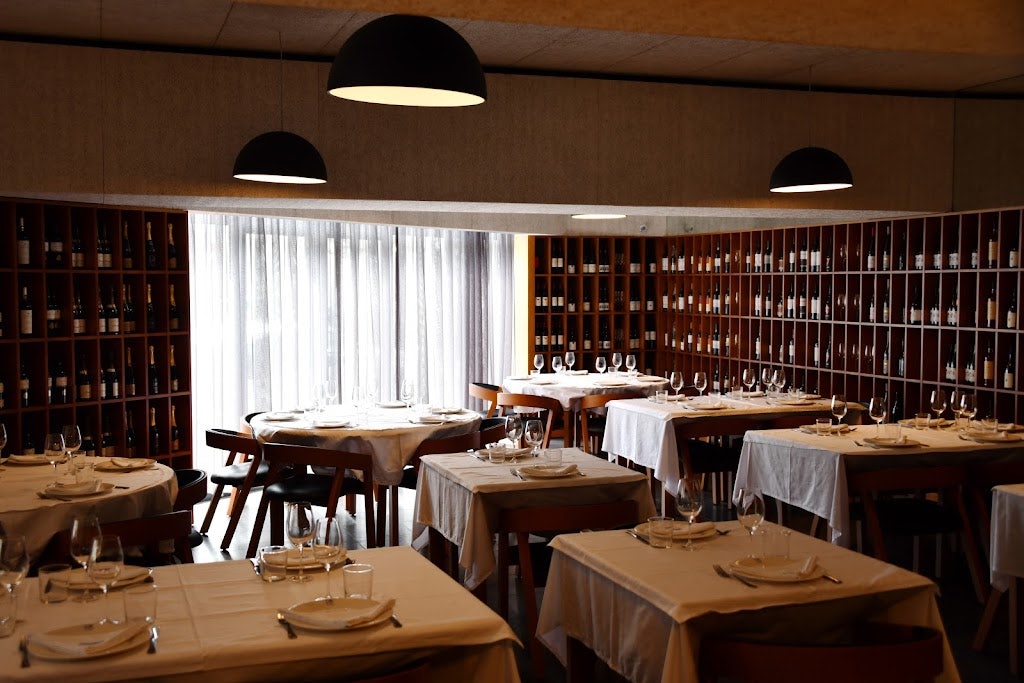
(775, 570)
(330, 424)
(989, 437)
(542, 381)
(84, 633)
(610, 383)
(36, 459)
(678, 397)
(520, 378)
(747, 394)
(652, 380)
(693, 405)
(680, 530)
(390, 404)
(427, 420)
(932, 422)
(887, 442)
(835, 429)
(485, 453)
(307, 613)
(69, 492)
(78, 579)
(1010, 427)
(283, 416)
(794, 402)
(124, 464)
(309, 559)
(577, 372)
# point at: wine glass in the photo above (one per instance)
(616, 361)
(514, 429)
(750, 511)
(749, 378)
(3, 438)
(839, 407)
(700, 381)
(630, 363)
(13, 561)
(876, 411)
(556, 364)
(54, 449)
(106, 560)
(538, 361)
(407, 393)
(955, 407)
(534, 433)
(301, 527)
(969, 407)
(689, 502)
(600, 364)
(327, 550)
(938, 405)
(84, 530)
(779, 380)
(331, 391)
(766, 378)
(72, 441)
(675, 380)
(570, 359)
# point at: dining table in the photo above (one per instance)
(643, 610)
(218, 622)
(1006, 565)
(568, 387)
(801, 468)
(125, 488)
(459, 496)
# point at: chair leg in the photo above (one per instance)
(257, 526)
(371, 531)
(217, 493)
(236, 515)
(530, 603)
(393, 513)
(503, 563)
(987, 618)
(276, 522)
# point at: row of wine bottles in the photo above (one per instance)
(111, 316)
(107, 445)
(54, 253)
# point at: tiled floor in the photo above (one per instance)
(957, 603)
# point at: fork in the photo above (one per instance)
(729, 575)
(23, 648)
(287, 625)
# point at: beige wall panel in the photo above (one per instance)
(989, 154)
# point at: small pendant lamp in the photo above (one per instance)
(811, 169)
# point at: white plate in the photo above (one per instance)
(778, 570)
(794, 402)
(987, 437)
(835, 429)
(64, 492)
(610, 383)
(577, 372)
(309, 560)
(330, 424)
(485, 453)
(886, 442)
(705, 406)
(84, 632)
(390, 404)
(680, 530)
(542, 381)
(284, 416)
(335, 609)
(446, 411)
(678, 397)
(932, 422)
(1010, 427)
(652, 380)
(37, 459)
(126, 465)
(427, 420)
(78, 579)
(747, 394)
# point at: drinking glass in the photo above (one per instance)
(534, 433)
(331, 391)
(54, 449)
(689, 502)
(301, 528)
(3, 438)
(84, 530)
(839, 407)
(630, 363)
(750, 511)
(600, 364)
(330, 543)
(969, 407)
(779, 380)
(938, 404)
(876, 410)
(616, 361)
(766, 379)
(556, 364)
(955, 407)
(675, 380)
(570, 359)
(514, 429)
(407, 393)
(106, 560)
(538, 361)
(13, 561)
(72, 439)
(700, 381)
(749, 378)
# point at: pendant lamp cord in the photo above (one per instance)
(280, 52)
(810, 116)
(103, 110)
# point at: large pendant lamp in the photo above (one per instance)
(811, 169)
(408, 60)
(280, 156)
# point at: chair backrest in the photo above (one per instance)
(880, 653)
(492, 433)
(191, 488)
(488, 393)
(543, 404)
(147, 533)
(594, 402)
(233, 442)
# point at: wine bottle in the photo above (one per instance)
(990, 307)
(817, 354)
(154, 433)
(53, 313)
(886, 248)
(988, 367)
(128, 310)
(175, 432)
(129, 436)
(792, 257)
(1008, 372)
(150, 309)
(791, 303)
(758, 260)
(718, 257)
(25, 312)
(993, 247)
(970, 368)
(896, 409)
(792, 350)
(802, 303)
(78, 311)
(154, 381)
(28, 446)
(953, 260)
(24, 387)
(150, 247)
(107, 440)
(82, 383)
(54, 247)
(101, 316)
(127, 258)
(870, 265)
(1011, 312)
(919, 258)
(113, 379)
(1013, 257)
(129, 375)
(113, 313)
(88, 444)
(77, 252)
(48, 390)
(104, 254)
(60, 384)
(757, 347)
(24, 243)
(975, 258)
(3, 400)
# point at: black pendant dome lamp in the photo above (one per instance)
(811, 169)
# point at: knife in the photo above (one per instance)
(153, 636)
(255, 565)
(638, 536)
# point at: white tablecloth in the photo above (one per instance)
(1006, 551)
(809, 471)
(570, 388)
(390, 435)
(149, 492)
(643, 610)
(217, 624)
(460, 496)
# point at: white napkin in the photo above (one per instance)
(577, 372)
(835, 429)
(429, 419)
(341, 618)
(78, 578)
(548, 470)
(37, 459)
(87, 643)
(786, 570)
(77, 487)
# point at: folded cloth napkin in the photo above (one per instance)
(74, 487)
(548, 470)
(339, 615)
(835, 429)
(429, 419)
(680, 530)
(786, 570)
(36, 459)
(78, 579)
(131, 463)
(577, 372)
(86, 643)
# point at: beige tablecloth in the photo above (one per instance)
(1006, 552)
(217, 624)
(149, 492)
(643, 610)
(460, 497)
(568, 389)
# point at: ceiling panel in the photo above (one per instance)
(771, 62)
(182, 22)
(505, 45)
(73, 18)
(254, 27)
(587, 50)
(681, 57)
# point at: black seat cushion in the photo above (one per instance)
(234, 475)
(312, 487)
(408, 478)
(596, 424)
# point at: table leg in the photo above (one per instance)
(1015, 618)
(987, 618)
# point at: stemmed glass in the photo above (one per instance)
(54, 449)
(955, 397)
(689, 502)
(750, 511)
(331, 391)
(675, 380)
(630, 363)
(3, 438)
(534, 433)
(13, 561)
(749, 378)
(969, 407)
(328, 548)
(106, 560)
(72, 441)
(938, 404)
(839, 407)
(301, 527)
(600, 364)
(876, 411)
(779, 381)
(556, 364)
(616, 361)
(700, 381)
(766, 379)
(407, 393)
(514, 429)
(538, 361)
(84, 530)
(570, 359)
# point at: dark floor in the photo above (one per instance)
(960, 609)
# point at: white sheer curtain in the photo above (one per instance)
(279, 305)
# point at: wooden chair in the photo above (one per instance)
(146, 533)
(288, 481)
(488, 393)
(242, 476)
(893, 505)
(592, 417)
(191, 491)
(877, 652)
(549, 408)
(548, 520)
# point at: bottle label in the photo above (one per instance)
(85, 392)
(23, 252)
(26, 322)
(1014, 259)
(1008, 379)
(1011, 319)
